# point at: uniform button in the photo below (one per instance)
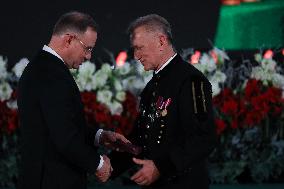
(162, 125)
(148, 126)
(161, 132)
(159, 136)
(158, 142)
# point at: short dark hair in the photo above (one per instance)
(152, 22)
(74, 21)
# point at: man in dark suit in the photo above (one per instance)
(175, 126)
(58, 149)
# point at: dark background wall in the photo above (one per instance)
(27, 25)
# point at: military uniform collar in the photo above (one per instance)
(168, 65)
(165, 64)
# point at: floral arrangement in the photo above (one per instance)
(109, 93)
(9, 121)
(248, 101)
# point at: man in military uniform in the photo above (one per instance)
(175, 127)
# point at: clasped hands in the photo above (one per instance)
(144, 176)
(104, 172)
(147, 174)
(109, 140)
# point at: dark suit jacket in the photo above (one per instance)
(175, 127)
(56, 144)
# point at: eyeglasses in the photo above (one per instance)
(86, 48)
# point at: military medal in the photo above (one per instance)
(164, 112)
(166, 104)
(159, 103)
(169, 100)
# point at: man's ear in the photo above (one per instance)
(162, 39)
(67, 39)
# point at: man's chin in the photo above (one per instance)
(146, 68)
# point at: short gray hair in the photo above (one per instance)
(152, 22)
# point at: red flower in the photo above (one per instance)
(234, 124)
(252, 88)
(230, 107)
(99, 115)
(8, 119)
(220, 124)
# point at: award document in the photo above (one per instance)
(128, 147)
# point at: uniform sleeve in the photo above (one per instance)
(64, 123)
(197, 130)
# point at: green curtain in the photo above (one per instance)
(251, 25)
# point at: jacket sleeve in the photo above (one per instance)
(196, 137)
(64, 118)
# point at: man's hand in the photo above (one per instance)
(112, 140)
(147, 174)
(104, 172)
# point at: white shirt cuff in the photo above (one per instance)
(97, 137)
(101, 163)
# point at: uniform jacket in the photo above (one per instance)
(56, 145)
(175, 126)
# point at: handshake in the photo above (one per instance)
(117, 142)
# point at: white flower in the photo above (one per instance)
(268, 65)
(87, 69)
(219, 77)
(115, 108)
(208, 63)
(139, 67)
(84, 78)
(200, 67)
(133, 82)
(121, 95)
(20, 66)
(257, 73)
(221, 54)
(106, 68)
(258, 57)
(117, 85)
(3, 70)
(85, 83)
(5, 91)
(12, 104)
(73, 71)
(104, 96)
(146, 79)
(215, 88)
(125, 69)
(278, 80)
(99, 79)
